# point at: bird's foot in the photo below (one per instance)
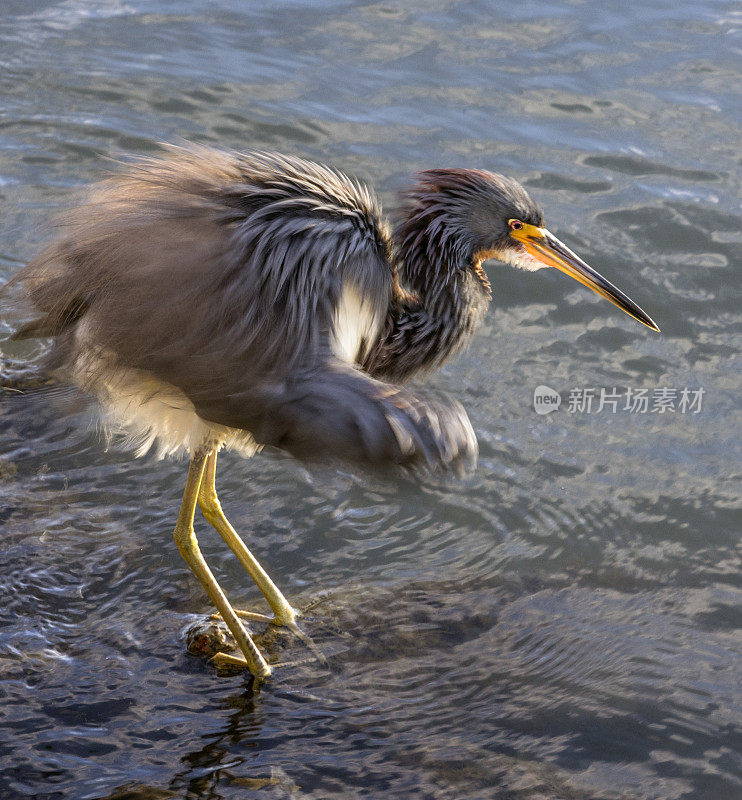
(276, 629)
(291, 624)
(228, 661)
(252, 616)
(286, 620)
(214, 638)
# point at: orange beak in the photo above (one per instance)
(547, 249)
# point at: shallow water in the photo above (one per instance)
(564, 623)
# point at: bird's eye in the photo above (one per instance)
(515, 224)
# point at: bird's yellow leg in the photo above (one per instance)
(209, 503)
(185, 538)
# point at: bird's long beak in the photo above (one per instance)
(547, 249)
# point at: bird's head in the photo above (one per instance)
(468, 216)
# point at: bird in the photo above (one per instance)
(212, 299)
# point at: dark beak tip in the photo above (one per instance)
(650, 323)
(645, 320)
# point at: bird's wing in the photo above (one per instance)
(206, 266)
(252, 284)
(333, 410)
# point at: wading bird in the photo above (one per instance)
(212, 300)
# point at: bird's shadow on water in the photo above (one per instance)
(202, 772)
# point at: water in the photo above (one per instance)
(565, 623)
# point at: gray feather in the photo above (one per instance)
(221, 275)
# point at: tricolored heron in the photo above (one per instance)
(213, 299)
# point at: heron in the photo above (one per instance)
(213, 299)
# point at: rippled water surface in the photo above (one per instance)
(565, 622)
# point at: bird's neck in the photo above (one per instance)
(433, 316)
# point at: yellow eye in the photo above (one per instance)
(515, 224)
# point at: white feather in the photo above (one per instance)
(146, 412)
(357, 325)
(519, 258)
